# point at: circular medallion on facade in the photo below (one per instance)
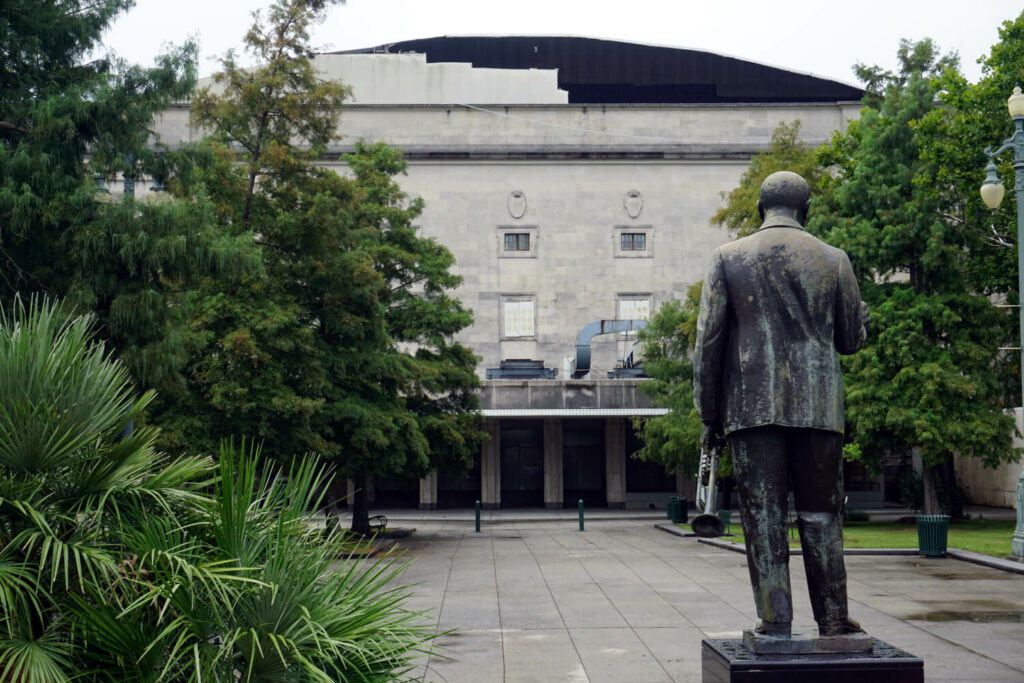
(634, 203)
(517, 204)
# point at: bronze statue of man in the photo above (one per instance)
(775, 309)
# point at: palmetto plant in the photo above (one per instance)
(120, 564)
(259, 593)
(69, 470)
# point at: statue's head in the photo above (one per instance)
(785, 193)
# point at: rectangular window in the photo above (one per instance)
(635, 308)
(518, 318)
(634, 241)
(517, 241)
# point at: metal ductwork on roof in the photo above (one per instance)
(596, 329)
(521, 368)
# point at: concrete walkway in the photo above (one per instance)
(623, 601)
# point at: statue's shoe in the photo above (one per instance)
(778, 629)
(841, 628)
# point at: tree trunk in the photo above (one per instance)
(333, 500)
(931, 490)
(360, 507)
(953, 499)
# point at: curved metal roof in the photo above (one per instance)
(596, 71)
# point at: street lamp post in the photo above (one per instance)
(992, 195)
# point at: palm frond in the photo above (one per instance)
(35, 660)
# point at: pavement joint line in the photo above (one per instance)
(616, 607)
(950, 642)
(497, 595)
(440, 609)
(644, 581)
(558, 609)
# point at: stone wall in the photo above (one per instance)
(996, 487)
(571, 181)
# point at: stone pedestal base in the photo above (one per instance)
(800, 644)
(729, 661)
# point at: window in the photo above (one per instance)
(518, 315)
(517, 241)
(633, 241)
(634, 307)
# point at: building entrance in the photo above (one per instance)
(396, 493)
(583, 468)
(646, 482)
(462, 492)
(522, 463)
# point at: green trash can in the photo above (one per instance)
(676, 509)
(932, 532)
(682, 514)
(726, 517)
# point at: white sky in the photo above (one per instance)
(823, 37)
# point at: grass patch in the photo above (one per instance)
(990, 537)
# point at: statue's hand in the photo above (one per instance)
(712, 438)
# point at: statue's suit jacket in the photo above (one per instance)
(775, 309)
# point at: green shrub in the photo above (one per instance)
(118, 563)
(856, 516)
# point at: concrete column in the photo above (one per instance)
(615, 462)
(350, 493)
(553, 491)
(687, 486)
(428, 491)
(490, 466)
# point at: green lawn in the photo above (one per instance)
(981, 536)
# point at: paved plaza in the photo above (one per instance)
(624, 601)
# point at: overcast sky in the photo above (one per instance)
(823, 37)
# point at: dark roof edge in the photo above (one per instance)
(382, 49)
(599, 70)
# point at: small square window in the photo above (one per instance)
(634, 241)
(517, 241)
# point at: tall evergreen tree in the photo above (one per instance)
(953, 139)
(65, 121)
(343, 345)
(787, 152)
(673, 439)
(926, 378)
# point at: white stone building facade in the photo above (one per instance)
(561, 212)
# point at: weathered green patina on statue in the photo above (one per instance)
(776, 308)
